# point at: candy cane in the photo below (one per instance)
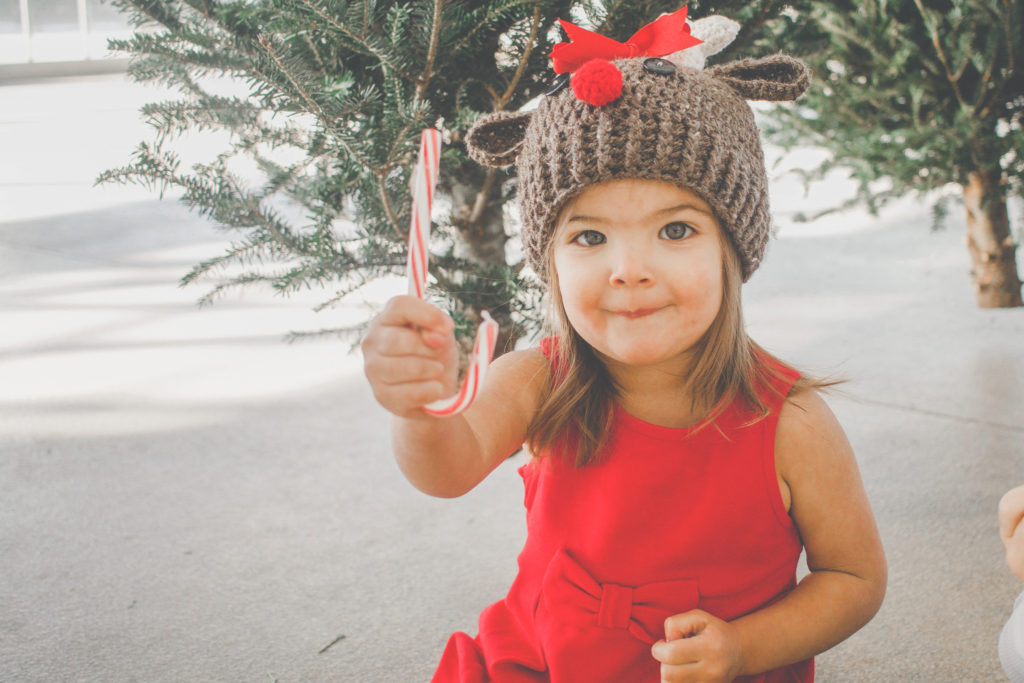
(419, 235)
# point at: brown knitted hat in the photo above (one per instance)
(674, 123)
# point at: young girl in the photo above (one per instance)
(678, 469)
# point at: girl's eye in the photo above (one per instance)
(588, 238)
(675, 231)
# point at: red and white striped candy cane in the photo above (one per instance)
(422, 202)
(419, 236)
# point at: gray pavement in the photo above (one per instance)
(185, 497)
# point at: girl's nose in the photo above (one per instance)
(630, 269)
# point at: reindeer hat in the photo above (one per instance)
(644, 109)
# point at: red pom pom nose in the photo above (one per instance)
(597, 82)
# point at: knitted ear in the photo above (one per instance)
(777, 78)
(495, 139)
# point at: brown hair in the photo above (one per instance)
(728, 365)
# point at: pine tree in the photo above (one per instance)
(912, 96)
(337, 92)
(345, 87)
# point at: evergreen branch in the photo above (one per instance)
(173, 59)
(179, 116)
(987, 99)
(316, 53)
(154, 10)
(306, 97)
(428, 69)
(610, 8)
(480, 203)
(281, 178)
(440, 277)
(483, 23)
(234, 283)
(845, 205)
(302, 276)
(397, 142)
(272, 225)
(312, 104)
(151, 168)
(1008, 27)
(226, 202)
(386, 202)
(850, 38)
(937, 44)
(245, 253)
(991, 98)
(749, 29)
(341, 294)
(285, 136)
(206, 11)
(382, 175)
(358, 39)
(964, 63)
(358, 274)
(521, 68)
(355, 330)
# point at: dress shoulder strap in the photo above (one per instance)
(775, 380)
(549, 345)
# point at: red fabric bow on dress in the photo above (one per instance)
(663, 36)
(578, 598)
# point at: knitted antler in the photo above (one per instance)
(716, 33)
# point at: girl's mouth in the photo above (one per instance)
(637, 313)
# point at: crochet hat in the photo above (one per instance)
(644, 109)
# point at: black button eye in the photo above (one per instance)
(663, 67)
(558, 85)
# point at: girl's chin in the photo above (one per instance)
(642, 354)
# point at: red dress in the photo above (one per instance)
(668, 520)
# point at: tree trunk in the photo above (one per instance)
(993, 253)
(478, 217)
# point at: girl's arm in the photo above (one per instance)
(411, 359)
(847, 578)
(449, 456)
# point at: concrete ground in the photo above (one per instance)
(185, 497)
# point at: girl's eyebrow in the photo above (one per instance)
(582, 218)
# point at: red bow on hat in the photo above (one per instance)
(663, 36)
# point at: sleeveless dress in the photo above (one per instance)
(666, 521)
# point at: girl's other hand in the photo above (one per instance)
(410, 356)
(698, 647)
(1011, 510)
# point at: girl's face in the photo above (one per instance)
(638, 265)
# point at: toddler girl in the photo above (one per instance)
(678, 469)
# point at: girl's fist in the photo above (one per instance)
(698, 647)
(410, 356)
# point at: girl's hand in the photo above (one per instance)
(410, 356)
(1011, 510)
(698, 647)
